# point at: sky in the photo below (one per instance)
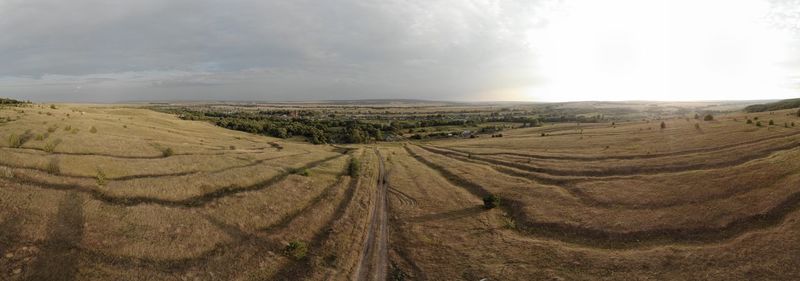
(480, 50)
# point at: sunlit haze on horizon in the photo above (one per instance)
(550, 50)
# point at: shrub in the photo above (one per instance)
(52, 129)
(353, 167)
(74, 131)
(758, 123)
(300, 171)
(663, 125)
(53, 166)
(749, 121)
(167, 152)
(14, 141)
(792, 124)
(708, 117)
(697, 126)
(52, 106)
(39, 137)
(93, 130)
(68, 128)
(51, 146)
(771, 122)
(101, 178)
(296, 250)
(491, 202)
(232, 147)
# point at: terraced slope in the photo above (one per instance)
(91, 194)
(107, 193)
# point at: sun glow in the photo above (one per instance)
(662, 50)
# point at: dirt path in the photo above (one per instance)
(374, 257)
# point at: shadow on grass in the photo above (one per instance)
(59, 257)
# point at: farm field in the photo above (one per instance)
(124, 192)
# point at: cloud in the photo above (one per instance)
(266, 49)
(107, 50)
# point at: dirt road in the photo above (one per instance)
(374, 257)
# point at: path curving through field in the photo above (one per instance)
(375, 253)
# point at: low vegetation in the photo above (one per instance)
(353, 167)
(296, 250)
(491, 202)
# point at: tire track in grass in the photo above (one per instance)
(191, 202)
(629, 170)
(635, 156)
(589, 200)
(242, 239)
(598, 238)
(153, 176)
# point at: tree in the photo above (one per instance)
(708, 117)
(663, 125)
(771, 122)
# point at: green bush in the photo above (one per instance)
(296, 250)
(354, 167)
(491, 202)
(167, 152)
(708, 117)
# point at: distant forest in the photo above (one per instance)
(784, 104)
(12, 101)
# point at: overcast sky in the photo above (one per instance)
(547, 50)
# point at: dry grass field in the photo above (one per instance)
(106, 192)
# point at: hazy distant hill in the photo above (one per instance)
(783, 104)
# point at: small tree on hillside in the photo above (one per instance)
(708, 117)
